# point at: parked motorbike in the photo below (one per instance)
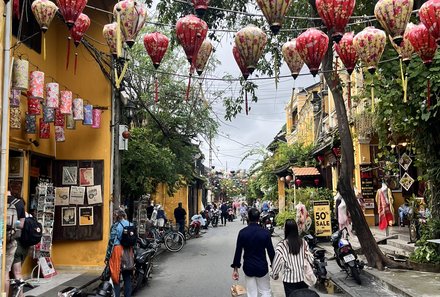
(215, 217)
(266, 221)
(345, 255)
(105, 289)
(195, 225)
(319, 261)
(144, 253)
(231, 215)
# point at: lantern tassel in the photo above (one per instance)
(156, 89)
(246, 102)
(349, 95)
(68, 52)
(188, 88)
(372, 97)
(428, 99)
(76, 63)
(44, 47)
(118, 36)
(16, 8)
(277, 70)
(403, 81)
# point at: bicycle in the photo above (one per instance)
(17, 285)
(173, 240)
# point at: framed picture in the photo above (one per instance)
(94, 195)
(70, 175)
(77, 195)
(86, 177)
(62, 195)
(86, 216)
(68, 216)
(16, 167)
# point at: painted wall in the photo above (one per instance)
(169, 203)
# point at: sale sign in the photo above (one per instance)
(322, 218)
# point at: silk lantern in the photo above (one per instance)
(429, 14)
(274, 12)
(348, 55)
(44, 129)
(96, 118)
(59, 118)
(312, 46)
(59, 134)
(370, 44)
(292, 58)
(44, 12)
(156, 45)
(191, 31)
(48, 114)
(52, 94)
(109, 33)
(203, 56)
(244, 71)
(288, 178)
(335, 15)
(70, 122)
(65, 102)
(131, 16)
(33, 106)
(78, 109)
(14, 98)
(15, 117)
(88, 117)
(31, 123)
(425, 46)
(394, 15)
(250, 42)
(70, 10)
(36, 85)
(77, 32)
(20, 74)
(200, 6)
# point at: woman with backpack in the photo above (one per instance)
(116, 253)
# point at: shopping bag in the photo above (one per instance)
(127, 259)
(309, 275)
(238, 291)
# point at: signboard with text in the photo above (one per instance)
(322, 218)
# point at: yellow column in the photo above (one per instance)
(281, 195)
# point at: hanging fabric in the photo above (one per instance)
(52, 95)
(44, 130)
(31, 124)
(96, 117)
(78, 109)
(36, 85)
(88, 117)
(20, 74)
(59, 118)
(59, 134)
(65, 102)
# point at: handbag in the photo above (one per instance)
(309, 275)
(127, 259)
(105, 275)
(238, 291)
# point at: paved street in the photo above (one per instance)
(202, 268)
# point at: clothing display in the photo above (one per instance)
(384, 202)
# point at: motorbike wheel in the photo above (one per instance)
(137, 281)
(174, 242)
(191, 232)
(339, 262)
(356, 275)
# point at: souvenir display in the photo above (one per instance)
(96, 117)
(59, 134)
(44, 130)
(52, 94)
(59, 118)
(48, 114)
(65, 102)
(33, 106)
(15, 117)
(31, 124)
(20, 74)
(14, 98)
(88, 117)
(36, 85)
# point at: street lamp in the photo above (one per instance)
(129, 112)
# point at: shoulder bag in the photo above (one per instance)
(309, 275)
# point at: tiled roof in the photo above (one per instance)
(305, 171)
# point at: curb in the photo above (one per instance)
(389, 286)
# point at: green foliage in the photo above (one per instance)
(308, 195)
(427, 252)
(285, 215)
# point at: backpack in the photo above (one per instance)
(32, 232)
(12, 233)
(129, 235)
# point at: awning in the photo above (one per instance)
(305, 171)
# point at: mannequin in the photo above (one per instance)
(384, 201)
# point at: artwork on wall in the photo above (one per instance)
(94, 195)
(86, 177)
(70, 175)
(16, 167)
(77, 195)
(86, 216)
(62, 196)
(68, 216)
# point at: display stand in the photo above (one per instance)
(45, 215)
(141, 219)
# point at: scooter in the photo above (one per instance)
(345, 255)
(215, 217)
(144, 253)
(319, 260)
(194, 227)
(105, 289)
(266, 221)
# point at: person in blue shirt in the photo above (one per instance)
(114, 254)
(255, 242)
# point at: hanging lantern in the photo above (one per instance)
(316, 181)
(335, 15)
(70, 122)
(36, 85)
(88, 117)
(370, 44)
(79, 28)
(65, 102)
(109, 33)
(78, 109)
(131, 15)
(394, 15)
(292, 58)
(31, 124)
(203, 56)
(44, 12)
(312, 46)
(52, 95)
(126, 134)
(240, 62)
(250, 42)
(44, 130)
(347, 52)
(59, 134)
(15, 117)
(200, 6)
(191, 31)
(96, 118)
(298, 182)
(405, 50)
(423, 42)
(48, 114)
(429, 14)
(288, 178)
(14, 98)
(59, 118)
(274, 11)
(20, 74)
(70, 10)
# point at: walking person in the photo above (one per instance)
(290, 255)
(224, 209)
(255, 242)
(179, 216)
(114, 254)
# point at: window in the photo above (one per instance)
(29, 25)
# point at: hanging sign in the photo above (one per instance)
(322, 217)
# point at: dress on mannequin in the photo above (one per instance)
(384, 201)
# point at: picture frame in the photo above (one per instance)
(86, 216)
(86, 177)
(70, 175)
(16, 167)
(68, 216)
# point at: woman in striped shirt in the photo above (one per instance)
(290, 255)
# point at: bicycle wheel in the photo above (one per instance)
(174, 241)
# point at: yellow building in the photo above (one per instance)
(84, 158)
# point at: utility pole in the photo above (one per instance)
(210, 150)
(116, 152)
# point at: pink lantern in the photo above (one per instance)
(109, 33)
(33, 106)
(312, 46)
(347, 52)
(240, 62)
(79, 29)
(405, 50)
(96, 116)
(71, 9)
(423, 42)
(298, 182)
(370, 44)
(288, 178)
(36, 85)
(292, 58)
(44, 129)
(66, 102)
(131, 15)
(59, 134)
(200, 6)
(78, 109)
(429, 15)
(52, 95)
(335, 15)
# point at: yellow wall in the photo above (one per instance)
(84, 143)
(169, 203)
(281, 195)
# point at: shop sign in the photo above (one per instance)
(322, 218)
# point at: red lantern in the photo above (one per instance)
(429, 15)
(298, 182)
(200, 6)
(274, 11)
(347, 52)
(316, 181)
(71, 9)
(423, 42)
(288, 178)
(312, 46)
(335, 15)
(126, 134)
(320, 159)
(240, 62)
(336, 151)
(79, 28)
(156, 45)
